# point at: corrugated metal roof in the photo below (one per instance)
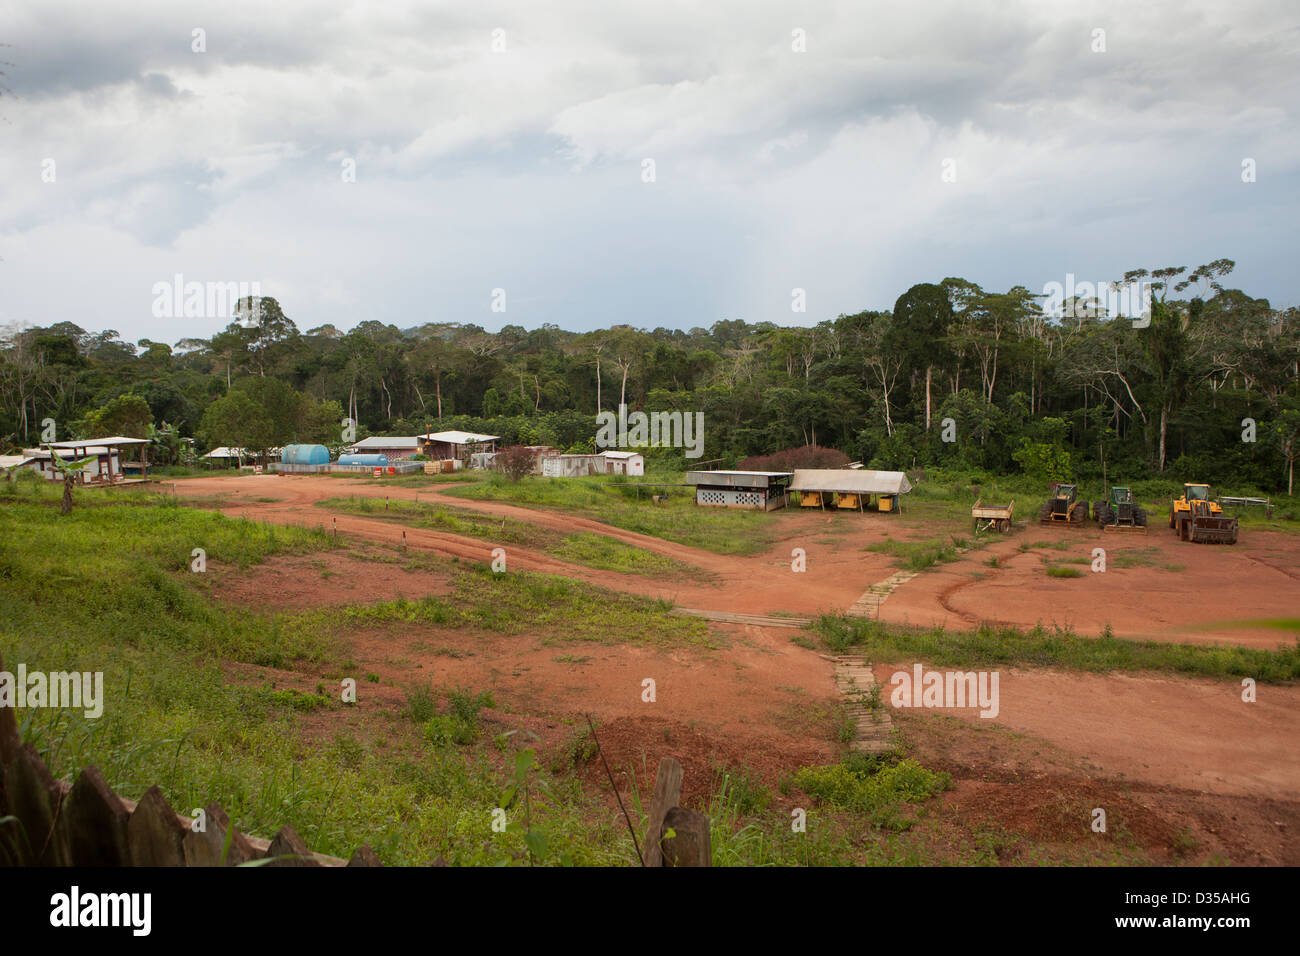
(851, 481)
(13, 461)
(620, 454)
(379, 441)
(458, 438)
(734, 479)
(101, 442)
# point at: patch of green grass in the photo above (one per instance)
(625, 505)
(746, 794)
(610, 554)
(581, 547)
(108, 588)
(989, 647)
(461, 724)
(882, 793)
(915, 555)
(557, 608)
(1062, 571)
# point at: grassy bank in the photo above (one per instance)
(110, 588)
(1010, 647)
(627, 505)
(585, 548)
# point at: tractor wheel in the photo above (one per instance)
(1185, 529)
(1045, 512)
(1171, 517)
(1079, 512)
(1140, 517)
(1104, 515)
(1097, 507)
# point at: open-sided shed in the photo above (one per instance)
(456, 445)
(850, 488)
(107, 452)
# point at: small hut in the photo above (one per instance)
(763, 490)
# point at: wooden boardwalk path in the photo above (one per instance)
(858, 685)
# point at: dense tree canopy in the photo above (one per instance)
(1013, 387)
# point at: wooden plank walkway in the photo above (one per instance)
(874, 596)
(730, 617)
(856, 682)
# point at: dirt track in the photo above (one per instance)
(1191, 740)
(1176, 591)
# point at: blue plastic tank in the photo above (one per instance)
(305, 455)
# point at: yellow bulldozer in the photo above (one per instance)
(1196, 517)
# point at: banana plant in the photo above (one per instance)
(69, 471)
(164, 443)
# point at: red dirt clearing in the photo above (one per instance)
(1174, 741)
(1172, 590)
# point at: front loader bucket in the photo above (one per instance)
(1214, 529)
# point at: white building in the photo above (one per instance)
(624, 463)
(107, 452)
(601, 463)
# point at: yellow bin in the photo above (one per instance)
(885, 503)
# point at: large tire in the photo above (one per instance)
(1140, 517)
(1045, 513)
(1171, 518)
(1097, 507)
(1079, 512)
(1104, 515)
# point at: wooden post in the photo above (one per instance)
(288, 849)
(155, 834)
(668, 790)
(94, 823)
(691, 843)
(206, 848)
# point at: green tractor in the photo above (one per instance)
(1120, 512)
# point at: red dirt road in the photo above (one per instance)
(1171, 590)
(1230, 766)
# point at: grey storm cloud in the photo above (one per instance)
(130, 158)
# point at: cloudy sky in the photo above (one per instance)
(508, 146)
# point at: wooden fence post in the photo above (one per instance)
(94, 822)
(155, 835)
(691, 844)
(668, 790)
